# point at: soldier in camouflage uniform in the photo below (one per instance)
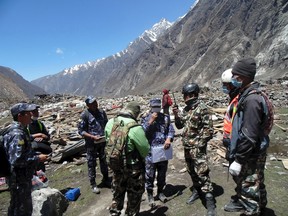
(249, 142)
(159, 131)
(131, 178)
(197, 131)
(91, 127)
(23, 160)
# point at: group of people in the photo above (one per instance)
(26, 144)
(139, 173)
(243, 137)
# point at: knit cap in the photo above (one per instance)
(245, 67)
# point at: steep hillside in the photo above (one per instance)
(209, 39)
(15, 86)
(94, 77)
(9, 92)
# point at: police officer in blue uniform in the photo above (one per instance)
(159, 131)
(91, 127)
(23, 160)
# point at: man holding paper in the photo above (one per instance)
(91, 127)
(160, 133)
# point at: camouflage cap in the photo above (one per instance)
(155, 102)
(21, 107)
(90, 99)
(133, 107)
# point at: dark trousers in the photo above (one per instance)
(150, 173)
(20, 186)
(95, 151)
(42, 148)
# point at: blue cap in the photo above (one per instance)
(21, 107)
(155, 102)
(90, 99)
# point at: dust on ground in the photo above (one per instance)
(178, 190)
(63, 176)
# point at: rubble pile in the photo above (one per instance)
(61, 114)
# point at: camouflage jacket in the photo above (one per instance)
(197, 125)
(18, 147)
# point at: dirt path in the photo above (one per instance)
(178, 190)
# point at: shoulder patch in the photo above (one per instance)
(21, 142)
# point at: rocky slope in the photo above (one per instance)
(14, 88)
(209, 39)
(93, 77)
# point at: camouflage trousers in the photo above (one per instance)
(250, 189)
(132, 182)
(20, 186)
(93, 152)
(150, 172)
(197, 166)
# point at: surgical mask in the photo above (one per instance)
(225, 90)
(156, 109)
(236, 83)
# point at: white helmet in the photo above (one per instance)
(226, 76)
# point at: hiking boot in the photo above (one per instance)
(193, 197)
(151, 199)
(234, 206)
(95, 189)
(210, 204)
(162, 197)
(106, 182)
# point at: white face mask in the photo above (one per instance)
(34, 118)
(156, 109)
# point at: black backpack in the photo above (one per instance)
(5, 168)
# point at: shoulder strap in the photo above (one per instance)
(40, 125)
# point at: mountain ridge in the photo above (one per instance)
(15, 87)
(210, 38)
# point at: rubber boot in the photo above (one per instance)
(193, 197)
(210, 204)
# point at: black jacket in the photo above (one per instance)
(248, 126)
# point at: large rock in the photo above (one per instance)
(48, 202)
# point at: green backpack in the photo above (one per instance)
(116, 145)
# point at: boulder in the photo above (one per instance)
(49, 202)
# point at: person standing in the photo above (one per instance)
(166, 101)
(159, 132)
(131, 177)
(197, 131)
(91, 127)
(23, 160)
(249, 141)
(39, 135)
(233, 92)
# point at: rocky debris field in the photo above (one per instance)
(60, 114)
